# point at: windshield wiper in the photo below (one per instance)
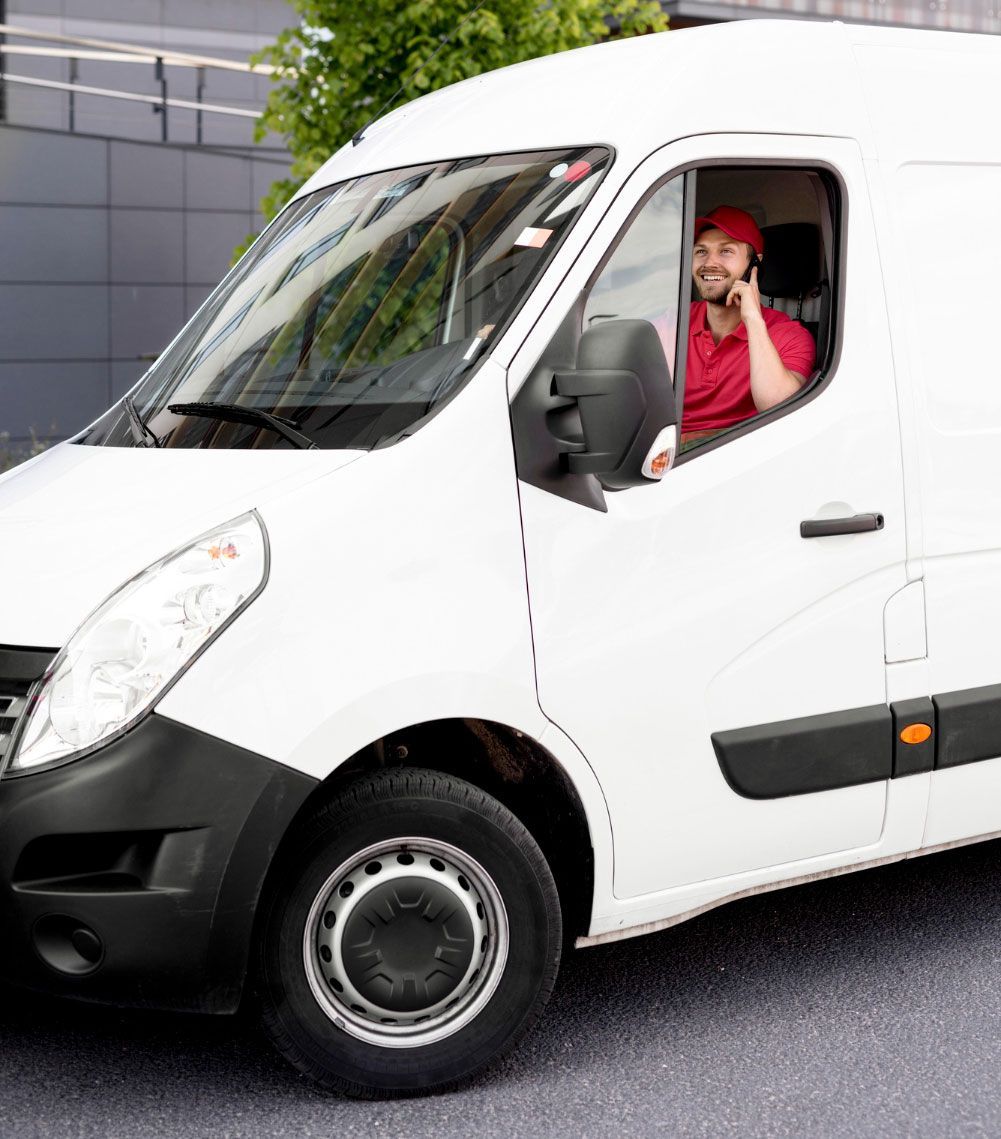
(142, 436)
(235, 413)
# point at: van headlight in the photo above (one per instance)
(133, 647)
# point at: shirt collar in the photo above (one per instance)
(700, 324)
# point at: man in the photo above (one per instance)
(742, 358)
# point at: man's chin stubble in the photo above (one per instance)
(716, 297)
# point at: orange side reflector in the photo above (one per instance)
(658, 465)
(915, 734)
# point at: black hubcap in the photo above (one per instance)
(408, 945)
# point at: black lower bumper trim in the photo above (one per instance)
(132, 876)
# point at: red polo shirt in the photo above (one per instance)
(718, 376)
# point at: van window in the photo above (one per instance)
(363, 307)
(641, 278)
(793, 214)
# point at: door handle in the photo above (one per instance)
(824, 527)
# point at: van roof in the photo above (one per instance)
(760, 76)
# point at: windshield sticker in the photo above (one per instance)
(533, 238)
(578, 171)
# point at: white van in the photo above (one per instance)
(362, 656)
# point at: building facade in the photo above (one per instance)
(111, 237)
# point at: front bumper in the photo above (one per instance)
(132, 876)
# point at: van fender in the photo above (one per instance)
(458, 696)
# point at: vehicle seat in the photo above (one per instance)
(792, 271)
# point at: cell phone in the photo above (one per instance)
(752, 264)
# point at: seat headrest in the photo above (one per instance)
(791, 265)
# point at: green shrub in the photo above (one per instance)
(344, 63)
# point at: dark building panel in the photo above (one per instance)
(52, 401)
(53, 322)
(37, 167)
(144, 319)
(147, 246)
(109, 247)
(53, 243)
(209, 241)
(147, 176)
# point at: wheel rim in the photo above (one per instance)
(406, 942)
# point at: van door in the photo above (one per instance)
(939, 180)
(670, 625)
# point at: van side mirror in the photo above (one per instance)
(628, 415)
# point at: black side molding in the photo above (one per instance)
(812, 753)
(860, 745)
(969, 725)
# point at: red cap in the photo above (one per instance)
(735, 223)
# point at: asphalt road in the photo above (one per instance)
(868, 1005)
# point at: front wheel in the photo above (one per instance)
(412, 936)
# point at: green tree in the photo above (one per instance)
(345, 60)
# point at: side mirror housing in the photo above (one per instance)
(628, 415)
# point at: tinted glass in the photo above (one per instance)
(642, 278)
(363, 308)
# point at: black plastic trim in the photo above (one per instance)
(912, 759)
(622, 388)
(690, 193)
(158, 844)
(969, 725)
(545, 425)
(24, 665)
(860, 745)
(808, 754)
(826, 527)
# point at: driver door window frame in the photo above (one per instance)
(837, 205)
(526, 343)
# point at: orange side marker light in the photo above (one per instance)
(915, 734)
(659, 464)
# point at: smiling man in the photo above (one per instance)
(742, 358)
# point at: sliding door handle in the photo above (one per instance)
(824, 527)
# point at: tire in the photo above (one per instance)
(411, 937)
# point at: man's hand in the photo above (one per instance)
(746, 297)
(771, 381)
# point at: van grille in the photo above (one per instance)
(11, 708)
(19, 669)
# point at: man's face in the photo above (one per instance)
(718, 262)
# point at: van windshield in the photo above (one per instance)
(362, 308)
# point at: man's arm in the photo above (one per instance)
(771, 381)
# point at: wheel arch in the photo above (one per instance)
(504, 762)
